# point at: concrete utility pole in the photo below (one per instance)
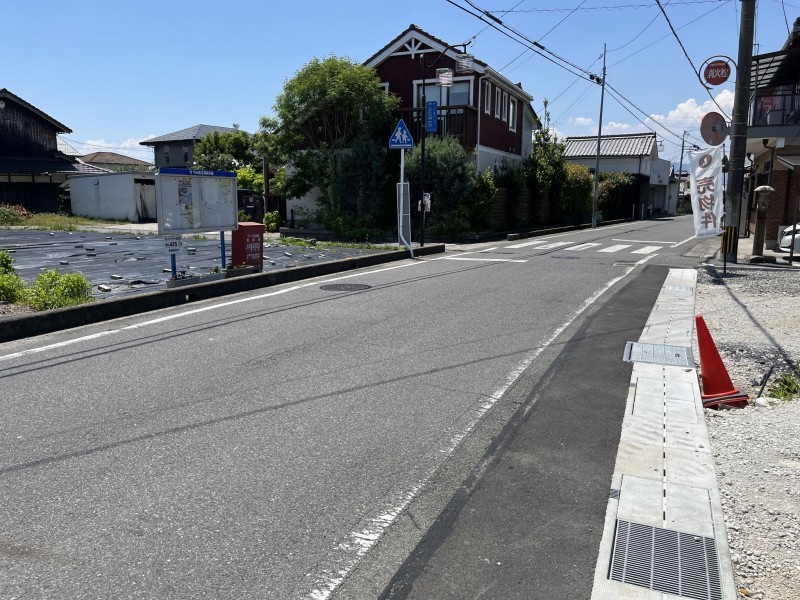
(596, 200)
(741, 104)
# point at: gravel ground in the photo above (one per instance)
(754, 320)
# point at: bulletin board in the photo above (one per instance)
(190, 200)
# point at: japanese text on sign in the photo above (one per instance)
(705, 179)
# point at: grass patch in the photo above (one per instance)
(785, 387)
(17, 216)
(294, 241)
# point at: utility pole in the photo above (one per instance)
(599, 137)
(680, 169)
(741, 103)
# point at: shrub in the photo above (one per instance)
(12, 288)
(786, 387)
(53, 289)
(12, 214)
(6, 263)
(272, 221)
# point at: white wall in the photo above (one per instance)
(111, 196)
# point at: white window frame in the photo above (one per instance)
(497, 97)
(505, 107)
(512, 114)
(487, 102)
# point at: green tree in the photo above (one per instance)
(546, 165)
(576, 193)
(248, 178)
(323, 110)
(461, 199)
(227, 151)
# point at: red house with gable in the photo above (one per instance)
(491, 116)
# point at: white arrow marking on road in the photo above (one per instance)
(616, 248)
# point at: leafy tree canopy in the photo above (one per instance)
(322, 110)
(226, 151)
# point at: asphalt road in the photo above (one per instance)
(296, 442)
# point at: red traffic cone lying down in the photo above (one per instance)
(717, 386)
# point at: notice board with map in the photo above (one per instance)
(190, 200)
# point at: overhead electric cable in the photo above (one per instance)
(680, 43)
(533, 47)
(611, 7)
(572, 12)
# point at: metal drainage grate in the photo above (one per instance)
(658, 354)
(345, 287)
(666, 561)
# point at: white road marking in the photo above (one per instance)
(647, 250)
(616, 248)
(526, 244)
(364, 538)
(663, 243)
(585, 246)
(486, 259)
(553, 245)
(487, 250)
(689, 239)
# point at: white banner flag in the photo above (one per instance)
(705, 179)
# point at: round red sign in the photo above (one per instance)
(717, 72)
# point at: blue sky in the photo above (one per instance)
(118, 73)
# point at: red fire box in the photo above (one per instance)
(247, 245)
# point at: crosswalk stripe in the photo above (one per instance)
(486, 259)
(526, 244)
(553, 245)
(616, 248)
(585, 246)
(647, 250)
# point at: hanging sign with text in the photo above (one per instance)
(705, 179)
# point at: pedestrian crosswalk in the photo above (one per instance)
(549, 244)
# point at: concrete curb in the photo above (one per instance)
(14, 328)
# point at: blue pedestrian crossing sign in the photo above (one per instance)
(401, 137)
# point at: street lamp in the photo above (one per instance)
(464, 64)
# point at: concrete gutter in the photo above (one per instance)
(14, 328)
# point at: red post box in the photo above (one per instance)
(247, 245)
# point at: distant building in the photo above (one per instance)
(176, 149)
(115, 162)
(636, 154)
(32, 168)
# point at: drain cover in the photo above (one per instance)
(345, 287)
(666, 561)
(658, 354)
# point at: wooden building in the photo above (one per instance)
(32, 168)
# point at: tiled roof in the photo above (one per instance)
(112, 158)
(59, 127)
(40, 166)
(420, 31)
(195, 132)
(639, 144)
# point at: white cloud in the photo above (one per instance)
(581, 121)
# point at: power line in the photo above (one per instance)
(608, 7)
(532, 47)
(572, 12)
(680, 43)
